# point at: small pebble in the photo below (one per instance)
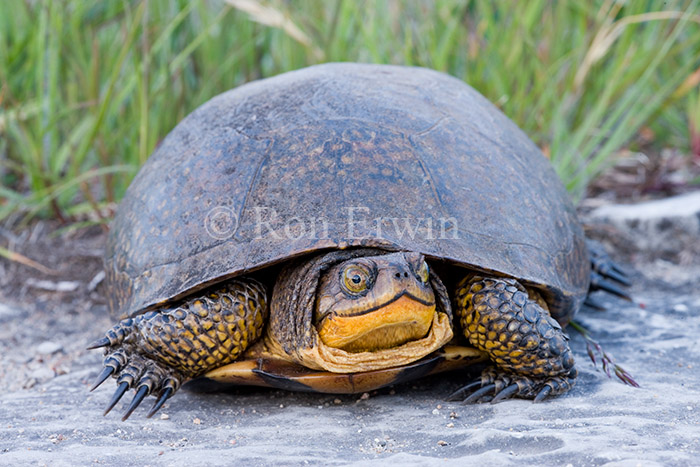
(164, 416)
(197, 421)
(436, 412)
(450, 425)
(42, 373)
(48, 348)
(680, 307)
(364, 396)
(337, 401)
(442, 443)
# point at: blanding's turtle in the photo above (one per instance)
(344, 227)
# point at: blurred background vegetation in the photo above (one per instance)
(89, 88)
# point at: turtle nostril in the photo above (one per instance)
(397, 275)
(405, 274)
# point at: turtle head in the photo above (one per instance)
(375, 302)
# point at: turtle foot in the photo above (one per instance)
(146, 376)
(154, 352)
(496, 385)
(606, 274)
(133, 370)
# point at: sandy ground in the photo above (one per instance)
(47, 415)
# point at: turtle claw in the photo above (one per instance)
(147, 376)
(106, 373)
(477, 395)
(542, 395)
(617, 277)
(142, 392)
(102, 342)
(498, 385)
(121, 389)
(459, 394)
(598, 282)
(507, 393)
(593, 303)
(604, 270)
(164, 396)
(135, 370)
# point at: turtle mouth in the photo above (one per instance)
(402, 319)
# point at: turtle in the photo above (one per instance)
(341, 228)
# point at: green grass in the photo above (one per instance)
(87, 89)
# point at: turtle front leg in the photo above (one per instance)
(529, 350)
(157, 351)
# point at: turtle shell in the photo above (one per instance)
(336, 156)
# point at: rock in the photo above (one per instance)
(48, 348)
(666, 227)
(6, 311)
(99, 277)
(60, 286)
(42, 374)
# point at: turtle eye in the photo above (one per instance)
(355, 279)
(423, 273)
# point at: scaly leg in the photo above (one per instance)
(156, 351)
(529, 350)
